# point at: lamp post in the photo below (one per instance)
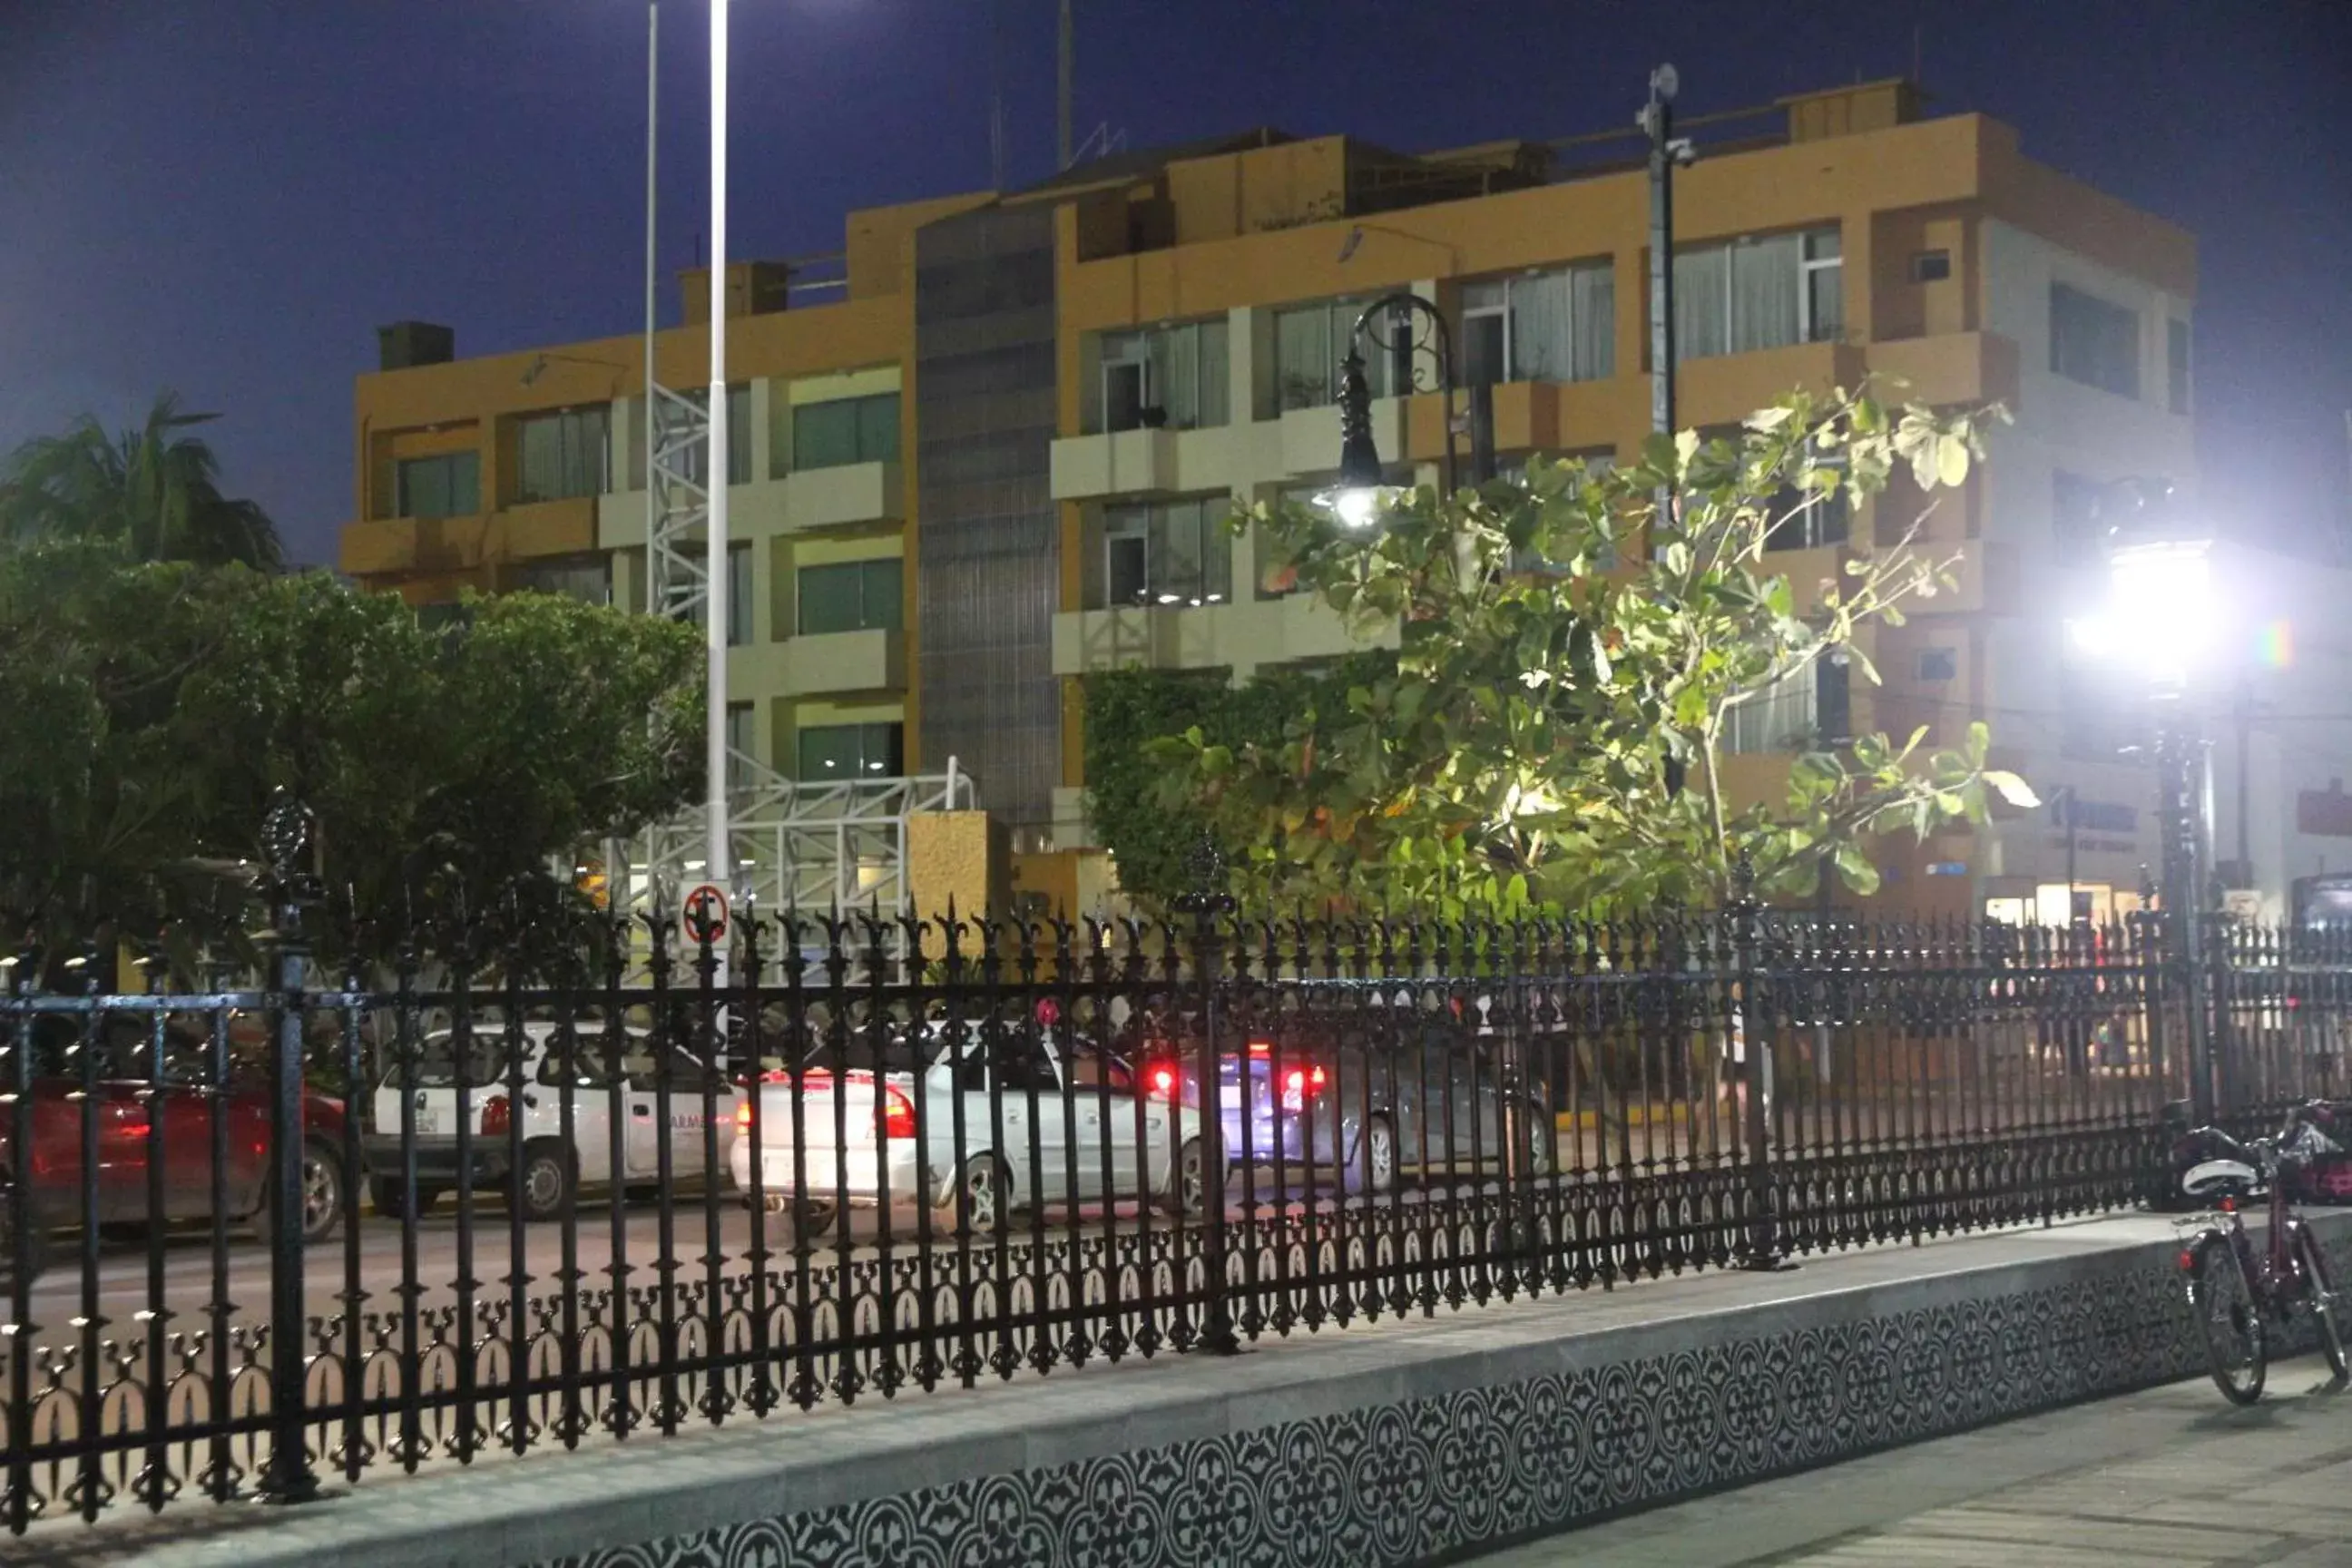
(2161, 615)
(1410, 333)
(718, 853)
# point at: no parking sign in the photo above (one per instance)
(704, 916)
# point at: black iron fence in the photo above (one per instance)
(658, 1188)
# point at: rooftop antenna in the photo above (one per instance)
(996, 96)
(1067, 73)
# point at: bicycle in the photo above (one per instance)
(2235, 1289)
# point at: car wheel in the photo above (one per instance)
(814, 1216)
(322, 1197)
(390, 1197)
(980, 1202)
(1188, 1193)
(1543, 1143)
(1374, 1168)
(545, 1181)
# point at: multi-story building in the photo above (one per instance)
(997, 457)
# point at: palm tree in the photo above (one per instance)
(152, 491)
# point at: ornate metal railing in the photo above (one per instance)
(550, 1208)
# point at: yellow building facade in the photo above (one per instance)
(1079, 381)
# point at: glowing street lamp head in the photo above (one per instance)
(1358, 496)
(2159, 613)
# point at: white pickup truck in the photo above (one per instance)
(1013, 1148)
(551, 1174)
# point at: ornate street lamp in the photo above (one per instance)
(2160, 617)
(1411, 334)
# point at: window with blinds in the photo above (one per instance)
(852, 596)
(1309, 342)
(1808, 707)
(449, 485)
(1541, 326)
(846, 430)
(562, 454)
(1758, 292)
(1173, 377)
(833, 752)
(1166, 554)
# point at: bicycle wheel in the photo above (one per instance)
(2325, 1304)
(2232, 1322)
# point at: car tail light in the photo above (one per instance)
(744, 1116)
(895, 1115)
(1160, 1081)
(1297, 1084)
(2188, 1261)
(498, 1116)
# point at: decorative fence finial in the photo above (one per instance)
(1204, 868)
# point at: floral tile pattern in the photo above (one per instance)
(1403, 1483)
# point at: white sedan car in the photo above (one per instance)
(997, 1132)
(551, 1173)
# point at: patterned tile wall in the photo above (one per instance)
(1399, 1484)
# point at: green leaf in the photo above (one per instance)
(1952, 460)
(1855, 870)
(2012, 789)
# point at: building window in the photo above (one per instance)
(564, 455)
(846, 430)
(1931, 266)
(1541, 326)
(2074, 523)
(2175, 365)
(447, 486)
(1807, 521)
(738, 596)
(588, 579)
(1937, 665)
(1309, 342)
(2093, 341)
(1165, 376)
(833, 752)
(743, 743)
(1169, 553)
(852, 596)
(1809, 706)
(1759, 293)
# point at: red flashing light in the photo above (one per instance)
(2188, 1261)
(2229, 1205)
(1297, 1084)
(498, 1116)
(1163, 1082)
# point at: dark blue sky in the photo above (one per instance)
(226, 196)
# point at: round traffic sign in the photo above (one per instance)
(704, 916)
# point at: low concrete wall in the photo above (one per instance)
(1393, 1443)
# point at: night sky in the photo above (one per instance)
(226, 196)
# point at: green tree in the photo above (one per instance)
(156, 707)
(1554, 730)
(153, 493)
(1153, 837)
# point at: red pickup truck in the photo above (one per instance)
(130, 1101)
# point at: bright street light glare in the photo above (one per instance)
(1357, 506)
(2167, 590)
